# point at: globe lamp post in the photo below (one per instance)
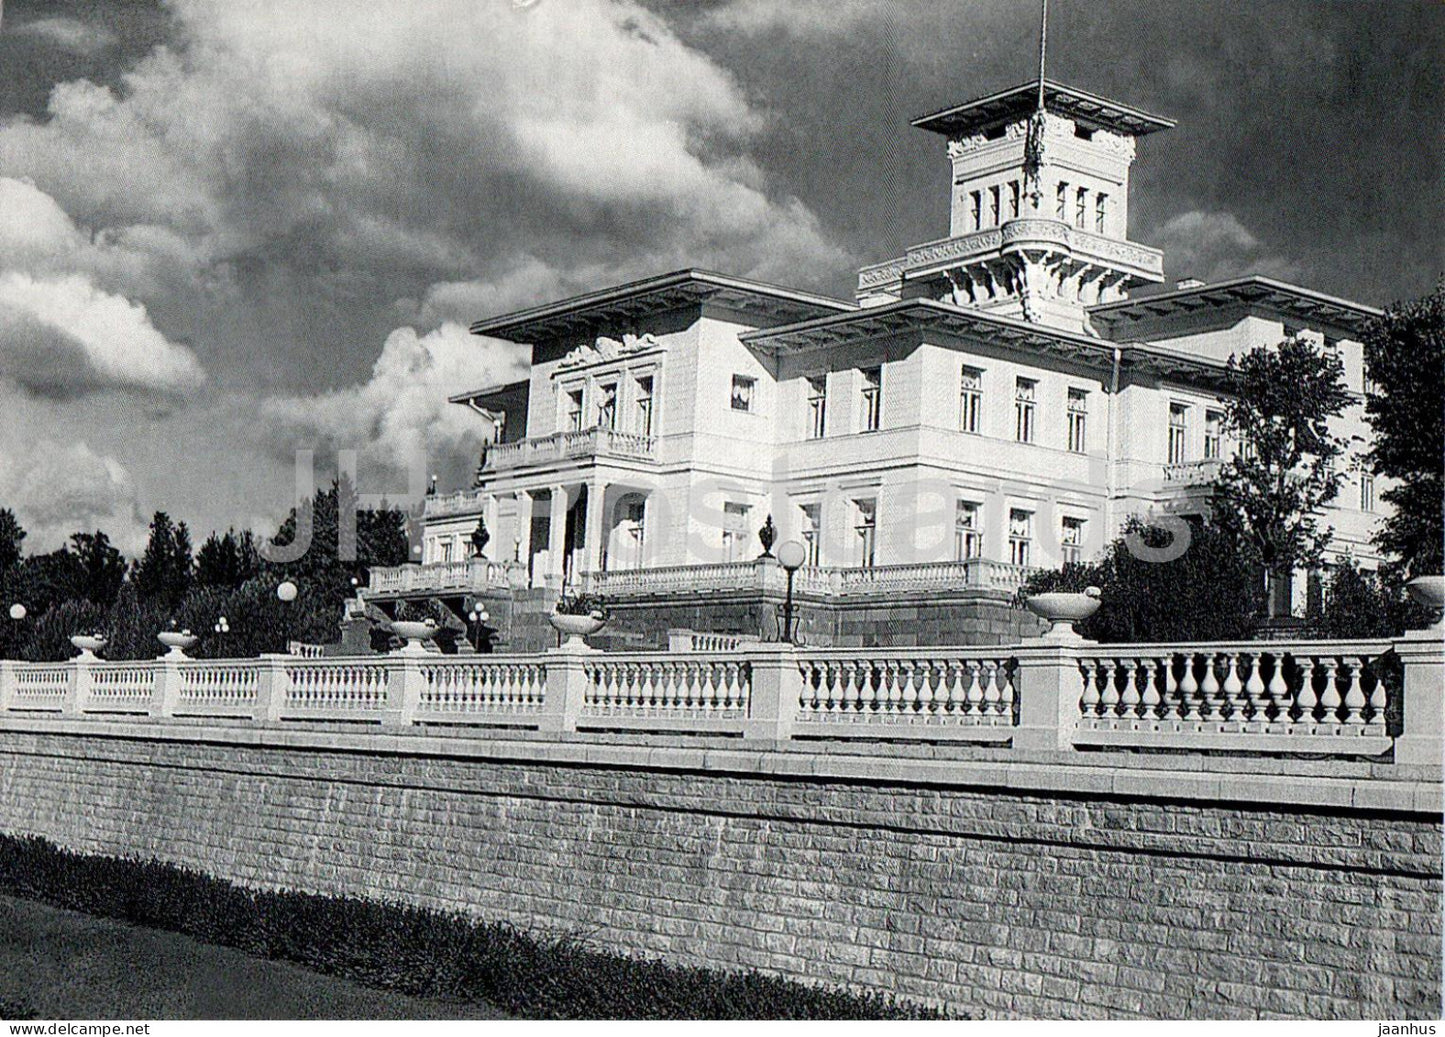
(791, 555)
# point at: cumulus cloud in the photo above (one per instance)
(1215, 246)
(58, 487)
(400, 416)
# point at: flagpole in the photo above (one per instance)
(1043, 48)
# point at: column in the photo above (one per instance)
(592, 552)
(557, 531)
(522, 535)
(495, 548)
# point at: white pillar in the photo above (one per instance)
(489, 513)
(557, 531)
(522, 535)
(592, 553)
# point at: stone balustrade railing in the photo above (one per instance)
(593, 442)
(1192, 471)
(471, 574)
(765, 574)
(1358, 699)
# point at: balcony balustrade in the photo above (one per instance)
(472, 574)
(1192, 473)
(765, 574)
(1346, 699)
(561, 446)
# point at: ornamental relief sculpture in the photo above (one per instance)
(606, 349)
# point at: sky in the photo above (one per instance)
(235, 229)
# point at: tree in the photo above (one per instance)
(1205, 594)
(1360, 604)
(227, 561)
(99, 568)
(12, 536)
(1272, 491)
(163, 573)
(1405, 359)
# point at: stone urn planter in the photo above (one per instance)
(1430, 592)
(88, 644)
(1062, 609)
(177, 641)
(416, 634)
(576, 627)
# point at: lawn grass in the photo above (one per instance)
(416, 952)
(60, 964)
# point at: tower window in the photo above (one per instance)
(1025, 391)
(1061, 201)
(1101, 207)
(817, 406)
(1020, 536)
(1367, 492)
(607, 405)
(573, 415)
(867, 531)
(967, 532)
(1213, 435)
(1014, 192)
(1178, 433)
(976, 197)
(743, 391)
(1081, 206)
(970, 400)
(872, 398)
(993, 204)
(1078, 420)
(643, 394)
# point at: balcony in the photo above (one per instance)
(474, 574)
(766, 575)
(1191, 473)
(564, 446)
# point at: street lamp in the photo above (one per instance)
(222, 627)
(477, 616)
(17, 612)
(286, 591)
(791, 556)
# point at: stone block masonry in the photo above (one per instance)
(962, 885)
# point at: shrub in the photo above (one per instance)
(420, 952)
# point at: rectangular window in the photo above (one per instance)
(812, 534)
(817, 406)
(644, 405)
(1078, 420)
(1020, 536)
(1367, 492)
(735, 531)
(1014, 194)
(1101, 211)
(994, 205)
(976, 198)
(967, 532)
(970, 400)
(1178, 433)
(573, 414)
(1025, 390)
(743, 390)
(1367, 385)
(1213, 435)
(607, 405)
(444, 551)
(872, 398)
(867, 531)
(1081, 207)
(1071, 540)
(1061, 201)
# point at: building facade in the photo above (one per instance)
(989, 403)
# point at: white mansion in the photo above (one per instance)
(991, 401)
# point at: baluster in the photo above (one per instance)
(1355, 697)
(895, 693)
(1129, 696)
(1108, 691)
(1377, 698)
(1230, 699)
(1209, 690)
(1003, 677)
(1330, 693)
(973, 698)
(1254, 689)
(992, 688)
(809, 672)
(954, 673)
(928, 679)
(1089, 700)
(1150, 701)
(1188, 690)
(1278, 690)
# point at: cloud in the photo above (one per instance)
(69, 33)
(62, 336)
(400, 417)
(1215, 246)
(58, 487)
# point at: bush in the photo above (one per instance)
(1360, 604)
(419, 952)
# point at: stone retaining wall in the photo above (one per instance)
(996, 900)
